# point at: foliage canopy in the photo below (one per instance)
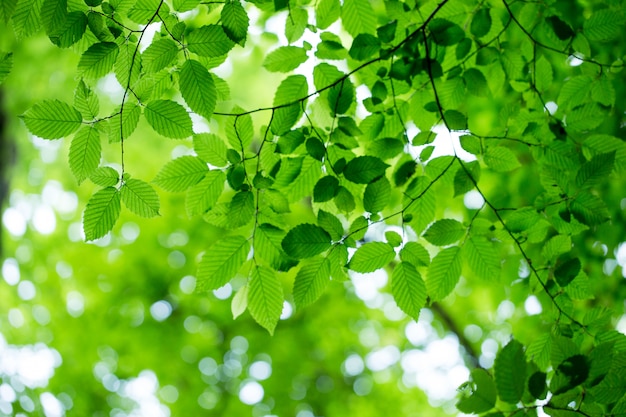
(454, 144)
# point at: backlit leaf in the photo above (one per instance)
(169, 119)
(197, 88)
(52, 119)
(445, 232)
(371, 256)
(211, 148)
(482, 258)
(408, 289)
(364, 169)
(98, 60)
(327, 12)
(181, 173)
(311, 281)
(604, 25)
(160, 54)
(377, 194)
(596, 170)
(305, 241)
(444, 273)
(510, 372)
(140, 197)
(415, 254)
(265, 297)
(481, 396)
(101, 213)
(221, 261)
(358, 17)
(85, 153)
(501, 159)
(235, 21)
(203, 195)
(292, 89)
(209, 41)
(285, 59)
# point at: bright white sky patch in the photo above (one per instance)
(251, 392)
(260, 370)
(11, 271)
(14, 221)
(160, 310)
(532, 306)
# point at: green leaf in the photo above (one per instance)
(464, 179)
(239, 303)
(305, 241)
(393, 238)
(85, 152)
(567, 271)
(371, 256)
(344, 200)
(358, 17)
(235, 22)
(53, 14)
(595, 171)
(6, 10)
(221, 261)
(98, 60)
(26, 17)
(6, 64)
(445, 232)
(267, 245)
(128, 115)
(325, 189)
(241, 209)
(140, 198)
(210, 41)
(203, 195)
(364, 46)
(296, 23)
(603, 92)
(101, 213)
(105, 177)
(86, 102)
(145, 11)
(185, 5)
(128, 64)
(240, 132)
(52, 119)
(408, 289)
(311, 281)
(331, 224)
(455, 120)
(476, 83)
(265, 297)
(197, 88)
(181, 173)
(160, 54)
(364, 169)
(71, 31)
(444, 273)
(169, 119)
(327, 13)
(210, 148)
(481, 396)
(604, 25)
(291, 90)
(539, 351)
(285, 59)
(556, 246)
(415, 254)
(589, 209)
(341, 96)
(377, 195)
(445, 32)
(501, 159)
(611, 388)
(481, 22)
(510, 372)
(482, 258)
(543, 74)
